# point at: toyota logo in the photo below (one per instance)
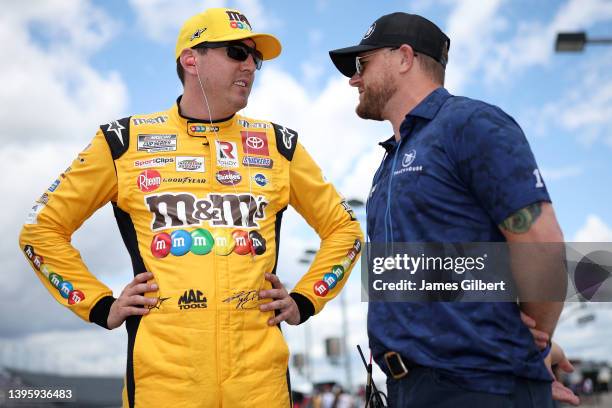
(254, 142)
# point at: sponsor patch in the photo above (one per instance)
(153, 162)
(43, 199)
(228, 177)
(54, 186)
(189, 163)
(197, 33)
(200, 129)
(184, 180)
(331, 279)
(224, 242)
(227, 153)
(156, 143)
(348, 209)
(253, 161)
(150, 121)
(32, 217)
(321, 288)
(148, 180)
(255, 143)
(64, 287)
(254, 125)
(176, 210)
(260, 179)
(192, 299)
(238, 20)
(258, 243)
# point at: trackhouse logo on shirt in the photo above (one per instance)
(406, 165)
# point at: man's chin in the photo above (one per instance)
(365, 113)
(241, 103)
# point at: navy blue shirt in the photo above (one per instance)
(460, 169)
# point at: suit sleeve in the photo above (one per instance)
(89, 183)
(341, 237)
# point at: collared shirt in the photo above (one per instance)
(460, 168)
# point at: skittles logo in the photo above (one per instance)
(202, 242)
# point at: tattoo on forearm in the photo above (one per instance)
(522, 220)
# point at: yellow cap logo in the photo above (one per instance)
(238, 20)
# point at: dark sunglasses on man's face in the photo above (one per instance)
(238, 51)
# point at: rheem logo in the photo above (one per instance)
(148, 180)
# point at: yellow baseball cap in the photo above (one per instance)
(222, 24)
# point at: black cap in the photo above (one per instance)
(393, 30)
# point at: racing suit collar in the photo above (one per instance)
(199, 127)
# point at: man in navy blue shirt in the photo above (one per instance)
(456, 170)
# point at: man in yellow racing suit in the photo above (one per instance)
(199, 204)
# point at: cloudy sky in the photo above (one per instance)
(67, 66)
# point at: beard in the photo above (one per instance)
(375, 97)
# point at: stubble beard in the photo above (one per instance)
(375, 98)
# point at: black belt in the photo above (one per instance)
(396, 365)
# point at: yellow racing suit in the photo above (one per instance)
(199, 205)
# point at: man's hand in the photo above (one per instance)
(130, 298)
(539, 337)
(559, 391)
(285, 303)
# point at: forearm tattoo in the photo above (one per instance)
(521, 221)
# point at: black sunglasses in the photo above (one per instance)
(238, 51)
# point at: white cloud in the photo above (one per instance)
(579, 14)
(586, 111)
(594, 230)
(533, 42)
(46, 78)
(479, 52)
(53, 100)
(161, 20)
(470, 20)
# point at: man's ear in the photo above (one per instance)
(188, 61)
(407, 58)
